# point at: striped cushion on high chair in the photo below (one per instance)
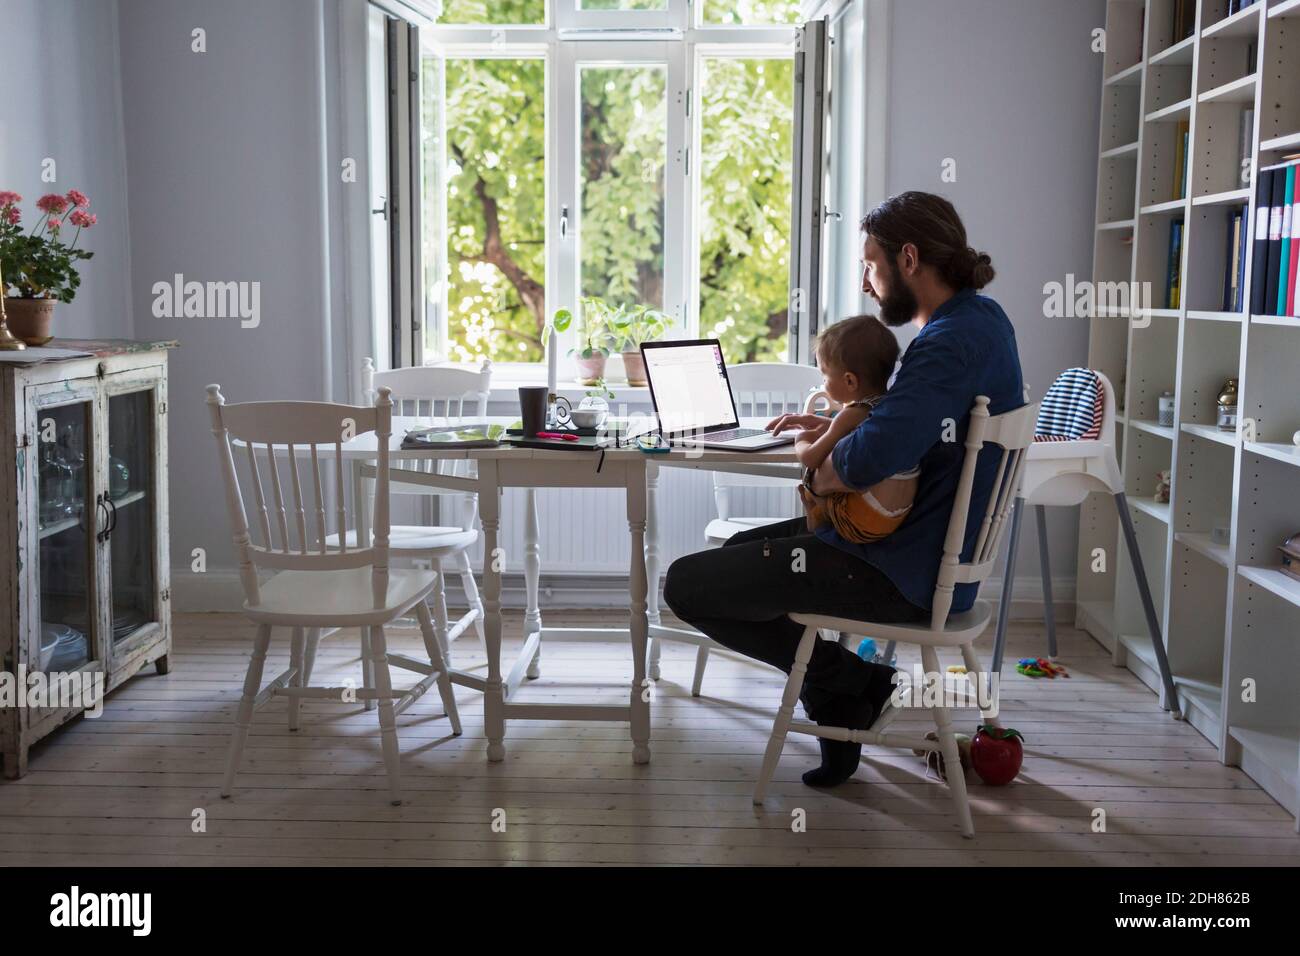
(1072, 408)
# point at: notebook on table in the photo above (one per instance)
(454, 436)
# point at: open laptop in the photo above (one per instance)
(692, 397)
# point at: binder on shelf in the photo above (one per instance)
(1173, 282)
(1277, 196)
(1284, 260)
(1259, 246)
(1294, 276)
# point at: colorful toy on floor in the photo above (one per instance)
(996, 753)
(1040, 667)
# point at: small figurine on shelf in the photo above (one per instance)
(1228, 406)
(1162, 488)
(1291, 556)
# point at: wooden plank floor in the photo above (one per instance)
(125, 789)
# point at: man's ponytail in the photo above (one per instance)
(930, 223)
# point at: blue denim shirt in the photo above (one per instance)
(968, 348)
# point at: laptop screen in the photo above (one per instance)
(688, 385)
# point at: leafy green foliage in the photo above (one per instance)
(746, 120)
(496, 198)
(495, 194)
(40, 263)
(623, 151)
(751, 12)
(493, 11)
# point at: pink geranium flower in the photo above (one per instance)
(52, 203)
(54, 224)
(13, 215)
(9, 199)
(82, 218)
(78, 198)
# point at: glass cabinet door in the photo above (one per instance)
(132, 508)
(67, 519)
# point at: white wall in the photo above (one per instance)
(225, 162)
(59, 100)
(1010, 89)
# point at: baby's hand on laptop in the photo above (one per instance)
(784, 423)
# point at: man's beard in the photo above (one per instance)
(900, 306)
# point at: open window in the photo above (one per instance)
(639, 152)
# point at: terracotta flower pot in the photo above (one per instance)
(634, 366)
(591, 370)
(30, 319)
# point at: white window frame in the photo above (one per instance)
(570, 39)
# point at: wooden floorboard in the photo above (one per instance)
(127, 788)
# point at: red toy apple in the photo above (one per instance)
(996, 754)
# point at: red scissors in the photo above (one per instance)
(558, 436)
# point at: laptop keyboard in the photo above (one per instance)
(732, 434)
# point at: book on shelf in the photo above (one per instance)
(1245, 143)
(1236, 6)
(1259, 244)
(1173, 280)
(1181, 141)
(1234, 261)
(1184, 20)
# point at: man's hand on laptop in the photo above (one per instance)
(785, 423)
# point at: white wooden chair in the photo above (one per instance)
(762, 390)
(444, 395)
(1064, 473)
(1013, 432)
(315, 586)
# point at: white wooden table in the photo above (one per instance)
(512, 467)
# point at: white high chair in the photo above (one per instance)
(1065, 473)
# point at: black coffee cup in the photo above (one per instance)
(532, 408)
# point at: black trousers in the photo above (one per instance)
(740, 594)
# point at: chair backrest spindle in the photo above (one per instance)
(1013, 432)
(763, 390)
(298, 428)
(451, 394)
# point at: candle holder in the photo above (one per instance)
(8, 341)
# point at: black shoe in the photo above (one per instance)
(840, 757)
(839, 761)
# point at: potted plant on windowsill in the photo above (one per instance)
(594, 339)
(39, 264)
(631, 326)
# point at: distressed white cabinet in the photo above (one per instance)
(83, 532)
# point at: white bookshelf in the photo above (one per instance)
(1230, 618)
